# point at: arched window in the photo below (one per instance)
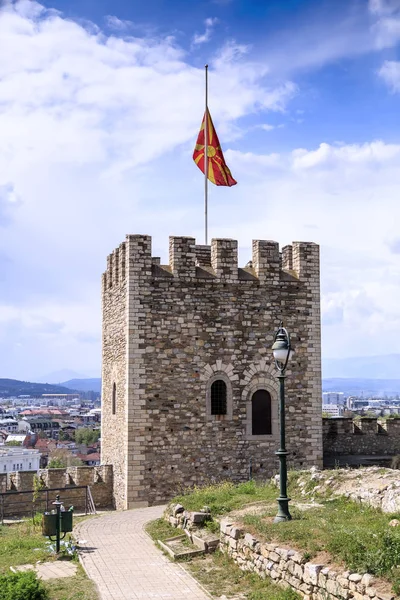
(261, 413)
(114, 398)
(218, 397)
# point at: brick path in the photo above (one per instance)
(124, 562)
(50, 570)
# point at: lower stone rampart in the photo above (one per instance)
(290, 568)
(66, 482)
(368, 436)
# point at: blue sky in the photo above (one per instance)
(100, 105)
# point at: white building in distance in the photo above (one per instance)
(333, 398)
(10, 425)
(16, 458)
(332, 410)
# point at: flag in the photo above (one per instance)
(217, 169)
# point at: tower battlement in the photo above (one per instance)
(187, 365)
(218, 261)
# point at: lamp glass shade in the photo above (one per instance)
(280, 353)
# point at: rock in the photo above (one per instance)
(311, 573)
(394, 523)
(367, 579)
(249, 540)
(355, 577)
(274, 557)
(198, 517)
(236, 533)
(226, 526)
(177, 509)
(383, 596)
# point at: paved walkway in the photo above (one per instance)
(50, 570)
(124, 562)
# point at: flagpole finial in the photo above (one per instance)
(206, 66)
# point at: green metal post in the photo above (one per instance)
(283, 500)
(57, 504)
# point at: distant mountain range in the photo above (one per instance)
(362, 387)
(13, 387)
(84, 385)
(363, 367)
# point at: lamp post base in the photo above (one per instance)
(283, 511)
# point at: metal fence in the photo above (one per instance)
(14, 505)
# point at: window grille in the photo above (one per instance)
(261, 413)
(218, 397)
(114, 398)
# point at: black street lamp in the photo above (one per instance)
(282, 352)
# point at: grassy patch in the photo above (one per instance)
(226, 496)
(357, 535)
(79, 587)
(21, 543)
(219, 575)
(161, 530)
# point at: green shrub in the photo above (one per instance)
(22, 586)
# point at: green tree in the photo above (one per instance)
(86, 436)
(61, 458)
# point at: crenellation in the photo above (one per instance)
(266, 262)
(122, 256)
(306, 260)
(224, 259)
(110, 271)
(182, 256)
(116, 260)
(367, 436)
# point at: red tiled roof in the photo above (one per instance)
(89, 457)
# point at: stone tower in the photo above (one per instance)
(189, 392)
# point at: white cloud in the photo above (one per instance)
(390, 73)
(349, 194)
(118, 24)
(96, 139)
(202, 38)
(384, 7)
(327, 155)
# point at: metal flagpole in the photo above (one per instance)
(206, 160)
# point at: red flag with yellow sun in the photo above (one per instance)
(217, 169)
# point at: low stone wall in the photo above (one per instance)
(367, 436)
(289, 568)
(64, 482)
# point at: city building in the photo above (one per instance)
(37, 425)
(189, 386)
(18, 459)
(9, 425)
(332, 410)
(333, 398)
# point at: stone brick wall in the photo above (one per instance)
(63, 482)
(366, 436)
(290, 568)
(114, 357)
(169, 331)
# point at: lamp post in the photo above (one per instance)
(282, 352)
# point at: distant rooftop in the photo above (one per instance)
(10, 450)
